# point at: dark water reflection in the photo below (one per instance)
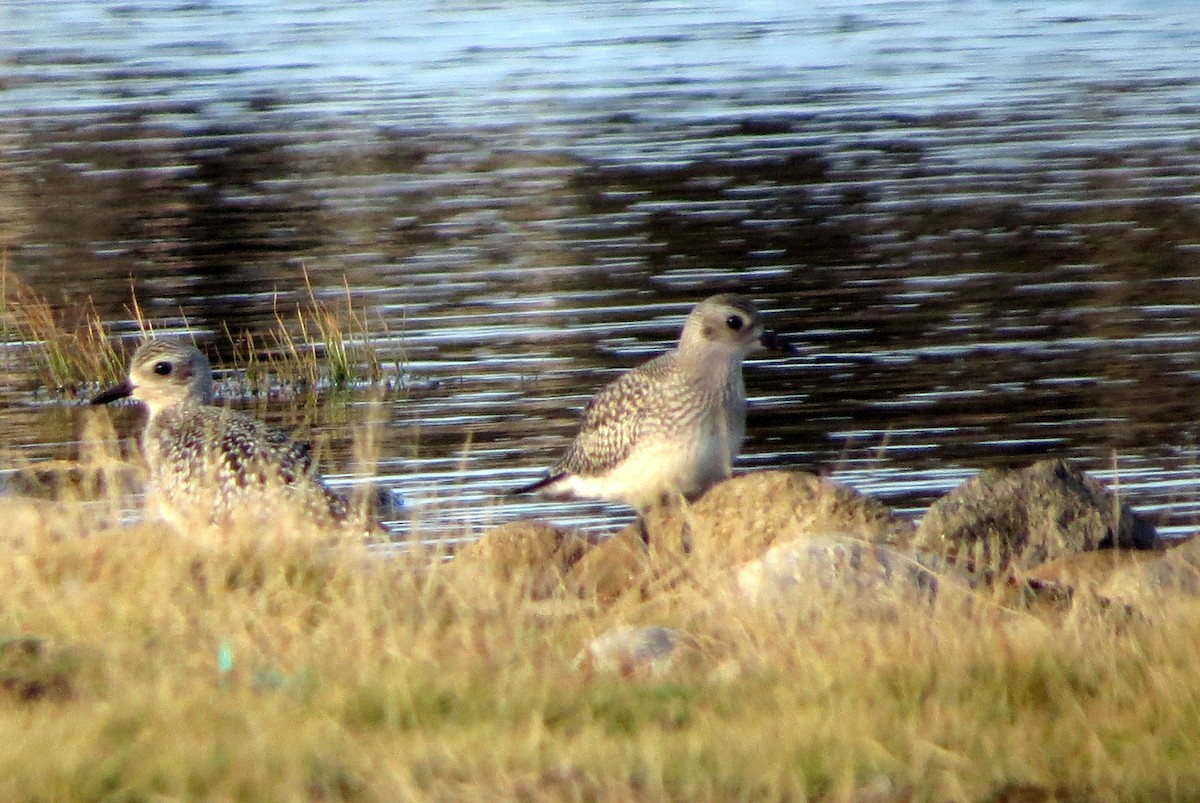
(980, 218)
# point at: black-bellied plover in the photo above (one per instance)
(673, 425)
(211, 465)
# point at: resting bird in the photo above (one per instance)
(214, 466)
(673, 425)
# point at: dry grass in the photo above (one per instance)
(136, 665)
(68, 350)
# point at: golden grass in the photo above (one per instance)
(67, 350)
(137, 665)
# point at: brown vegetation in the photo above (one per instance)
(137, 664)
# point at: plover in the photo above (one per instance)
(210, 465)
(673, 425)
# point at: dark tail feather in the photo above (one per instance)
(536, 486)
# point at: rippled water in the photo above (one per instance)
(981, 220)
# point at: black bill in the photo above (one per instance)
(120, 391)
(776, 342)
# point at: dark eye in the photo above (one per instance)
(735, 322)
(162, 368)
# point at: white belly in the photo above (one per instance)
(654, 469)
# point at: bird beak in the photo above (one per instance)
(112, 394)
(776, 342)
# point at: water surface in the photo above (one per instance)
(979, 218)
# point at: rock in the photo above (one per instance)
(633, 649)
(1178, 570)
(1125, 580)
(1104, 578)
(1092, 571)
(1005, 517)
(738, 519)
(529, 556)
(835, 568)
(612, 568)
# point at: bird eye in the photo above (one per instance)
(735, 322)
(162, 368)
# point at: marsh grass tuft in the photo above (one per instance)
(67, 352)
(316, 344)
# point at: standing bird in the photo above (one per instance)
(214, 466)
(673, 425)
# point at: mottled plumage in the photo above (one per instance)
(672, 425)
(211, 465)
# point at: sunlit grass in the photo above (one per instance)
(67, 350)
(136, 664)
(314, 344)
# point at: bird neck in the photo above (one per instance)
(158, 411)
(713, 367)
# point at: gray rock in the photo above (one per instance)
(1022, 518)
(1178, 570)
(840, 569)
(633, 649)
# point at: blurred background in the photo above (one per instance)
(978, 218)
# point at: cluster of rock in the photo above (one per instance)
(802, 544)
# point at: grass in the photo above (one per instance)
(315, 344)
(136, 665)
(68, 351)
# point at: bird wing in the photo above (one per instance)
(251, 451)
(615, 419)
(295, 457)
(199, 449)
(295, 464)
